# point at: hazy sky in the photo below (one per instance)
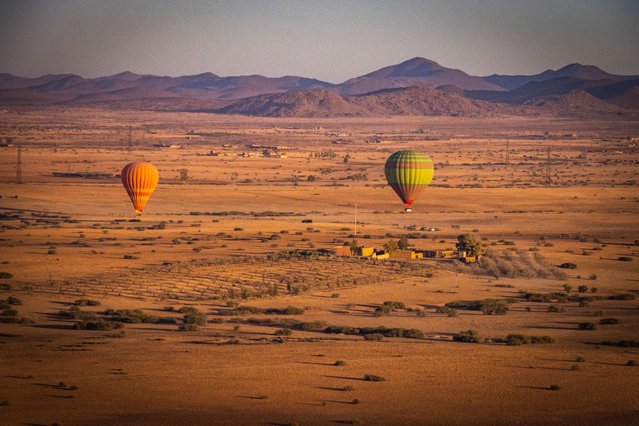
(328, 40)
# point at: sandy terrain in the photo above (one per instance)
(214, 241)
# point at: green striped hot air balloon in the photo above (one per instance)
(408, 173)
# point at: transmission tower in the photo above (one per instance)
(19, 166)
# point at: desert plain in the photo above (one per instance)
(285, 338)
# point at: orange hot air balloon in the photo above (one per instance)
(139, 180)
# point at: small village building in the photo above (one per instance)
(343, 251)
(428, 253)
(366, 251)
(405, 254)
(445, 254)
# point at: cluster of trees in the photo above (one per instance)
(470, 244)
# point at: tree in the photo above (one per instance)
(390, 246)
(353, 245)
(402, 244)
(184, 175)
(470, 244)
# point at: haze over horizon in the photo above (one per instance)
(327, 40)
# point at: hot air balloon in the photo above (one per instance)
(408, 173)
(139, 180)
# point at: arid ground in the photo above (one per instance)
(223, 235)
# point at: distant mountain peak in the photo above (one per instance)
(418, 60)
(415, 67)
(417, 71)
(124, 75)
(207, 75)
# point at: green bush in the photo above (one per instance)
(568, 265)
(97, 324)
(411, 333)
(188, 310)
(75, 312)
(382, 310)
(470, 305)
(493, 307)
(6, 275)
(546, 297)
(195, 318)
(517, 339)
(289, 310)
(9, 313)
(395, 306)
(468, 336)
(132, 316)
(609, 321)
(541, 339)
(86, 302)
(188, 327)
(622, 297)
(11, 300)
(451, 312)
(587, 326)
(373, 378)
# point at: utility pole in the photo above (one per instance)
(355, 220)
(548, 168)
(19, 166)
(507, 151)
(130, 139)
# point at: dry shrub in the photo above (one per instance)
(516, 263)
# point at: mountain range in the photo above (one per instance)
(414, 87)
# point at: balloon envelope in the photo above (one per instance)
(139, 180)
(408, 173)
